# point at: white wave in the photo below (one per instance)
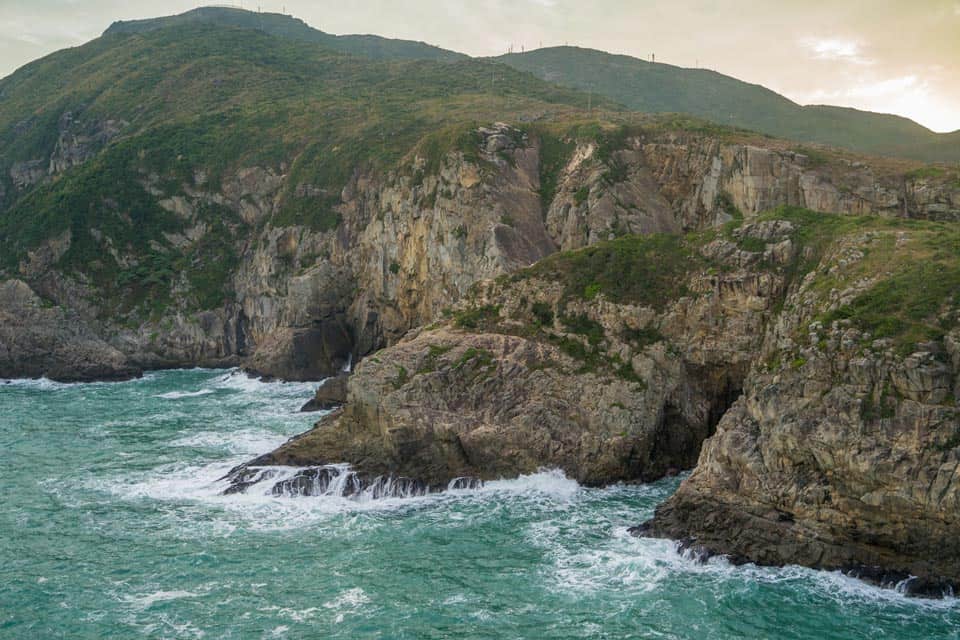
(176, 395)
(643, 565)
(296, 615)
(46, 384)
(548, 482)
(145, 601)
(41, 384)
(248, 442)
(347, 602)
(350, 598)
(238, 380)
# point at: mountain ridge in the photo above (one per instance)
(286, 26)
(649, 87)
(658, 87)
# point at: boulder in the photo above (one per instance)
(331, 394)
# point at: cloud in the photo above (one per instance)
(837, 49)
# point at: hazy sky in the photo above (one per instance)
(894, 56)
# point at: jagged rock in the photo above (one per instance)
(505, 399)
(335, 480)
(331, 394)
(842, 452)
(311, 353)
(38, 339)
(491, 406)
(409, 244)
(27, 173)
(79, 141)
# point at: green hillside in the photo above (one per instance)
(285, 26)
(213, 98)
(637, 84)
(655, 88)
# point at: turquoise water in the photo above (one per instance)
(111, 526)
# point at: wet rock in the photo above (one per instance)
(303, 354)
(331, 394)
(332, 480)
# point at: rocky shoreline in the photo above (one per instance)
(816, 441)
(672, 317)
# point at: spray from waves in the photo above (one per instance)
(147, 600)
(549, 483)
(339, 494)
(645, 565)
(242, 442)
(46, 384)
(177, 395)
(238, 380)
(40, 384)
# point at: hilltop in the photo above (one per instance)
(654, 87)
(285, 26)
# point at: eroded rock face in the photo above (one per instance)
(449, 404)
(529, 376)
(842, 452)
(411, 242)
(330, 395)
(803, 470)
(39, 339)
(311, 353)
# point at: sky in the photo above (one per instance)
(891, 56)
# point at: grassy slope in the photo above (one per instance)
(374, 47)
(649, 87)
(654, 87)
(220, 98)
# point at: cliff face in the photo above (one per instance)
(815, 355)
(842, 452)
(40, 339)
(300, 301)
(621, 381)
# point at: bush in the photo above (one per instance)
(543, 313)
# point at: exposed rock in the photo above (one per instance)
(333, 480)
(516, 393)
(410, 243)
(331, 394)
(79, 141)
(27, 173)
(311, 353)
(843, 451)
(38, 339)
(491, 406)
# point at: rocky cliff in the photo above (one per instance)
(300, 301)
(612, 363)
(815, 355)
(842, 452)
(37, 338)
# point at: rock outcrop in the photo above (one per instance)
(615, 362)
(330, 395)
(40, 339)
(844, 450)
(298, 300)
(528, 373)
